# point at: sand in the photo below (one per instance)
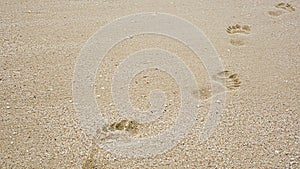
(257, 41)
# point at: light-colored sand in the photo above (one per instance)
(40, 42)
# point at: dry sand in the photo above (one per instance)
(41, 40)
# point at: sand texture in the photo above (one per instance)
(258, 42)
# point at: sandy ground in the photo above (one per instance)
(41, 40)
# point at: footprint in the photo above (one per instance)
(111, 132)
(231, 79)
(237, 32)
(281, 9)
(122, 130)
(244, 29)
(285, 6)
(118, 129)
(231, 82)
(125, 125)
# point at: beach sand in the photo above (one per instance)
(257, 41)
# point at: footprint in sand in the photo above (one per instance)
(281, 8)
(118, 129)
(243, 29)
(108, 133)
(125, 125)
(237, 33)
(231, 79)
(232, 82)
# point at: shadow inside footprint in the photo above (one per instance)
(237, 42)
(275, 13)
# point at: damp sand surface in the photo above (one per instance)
(257, 41)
